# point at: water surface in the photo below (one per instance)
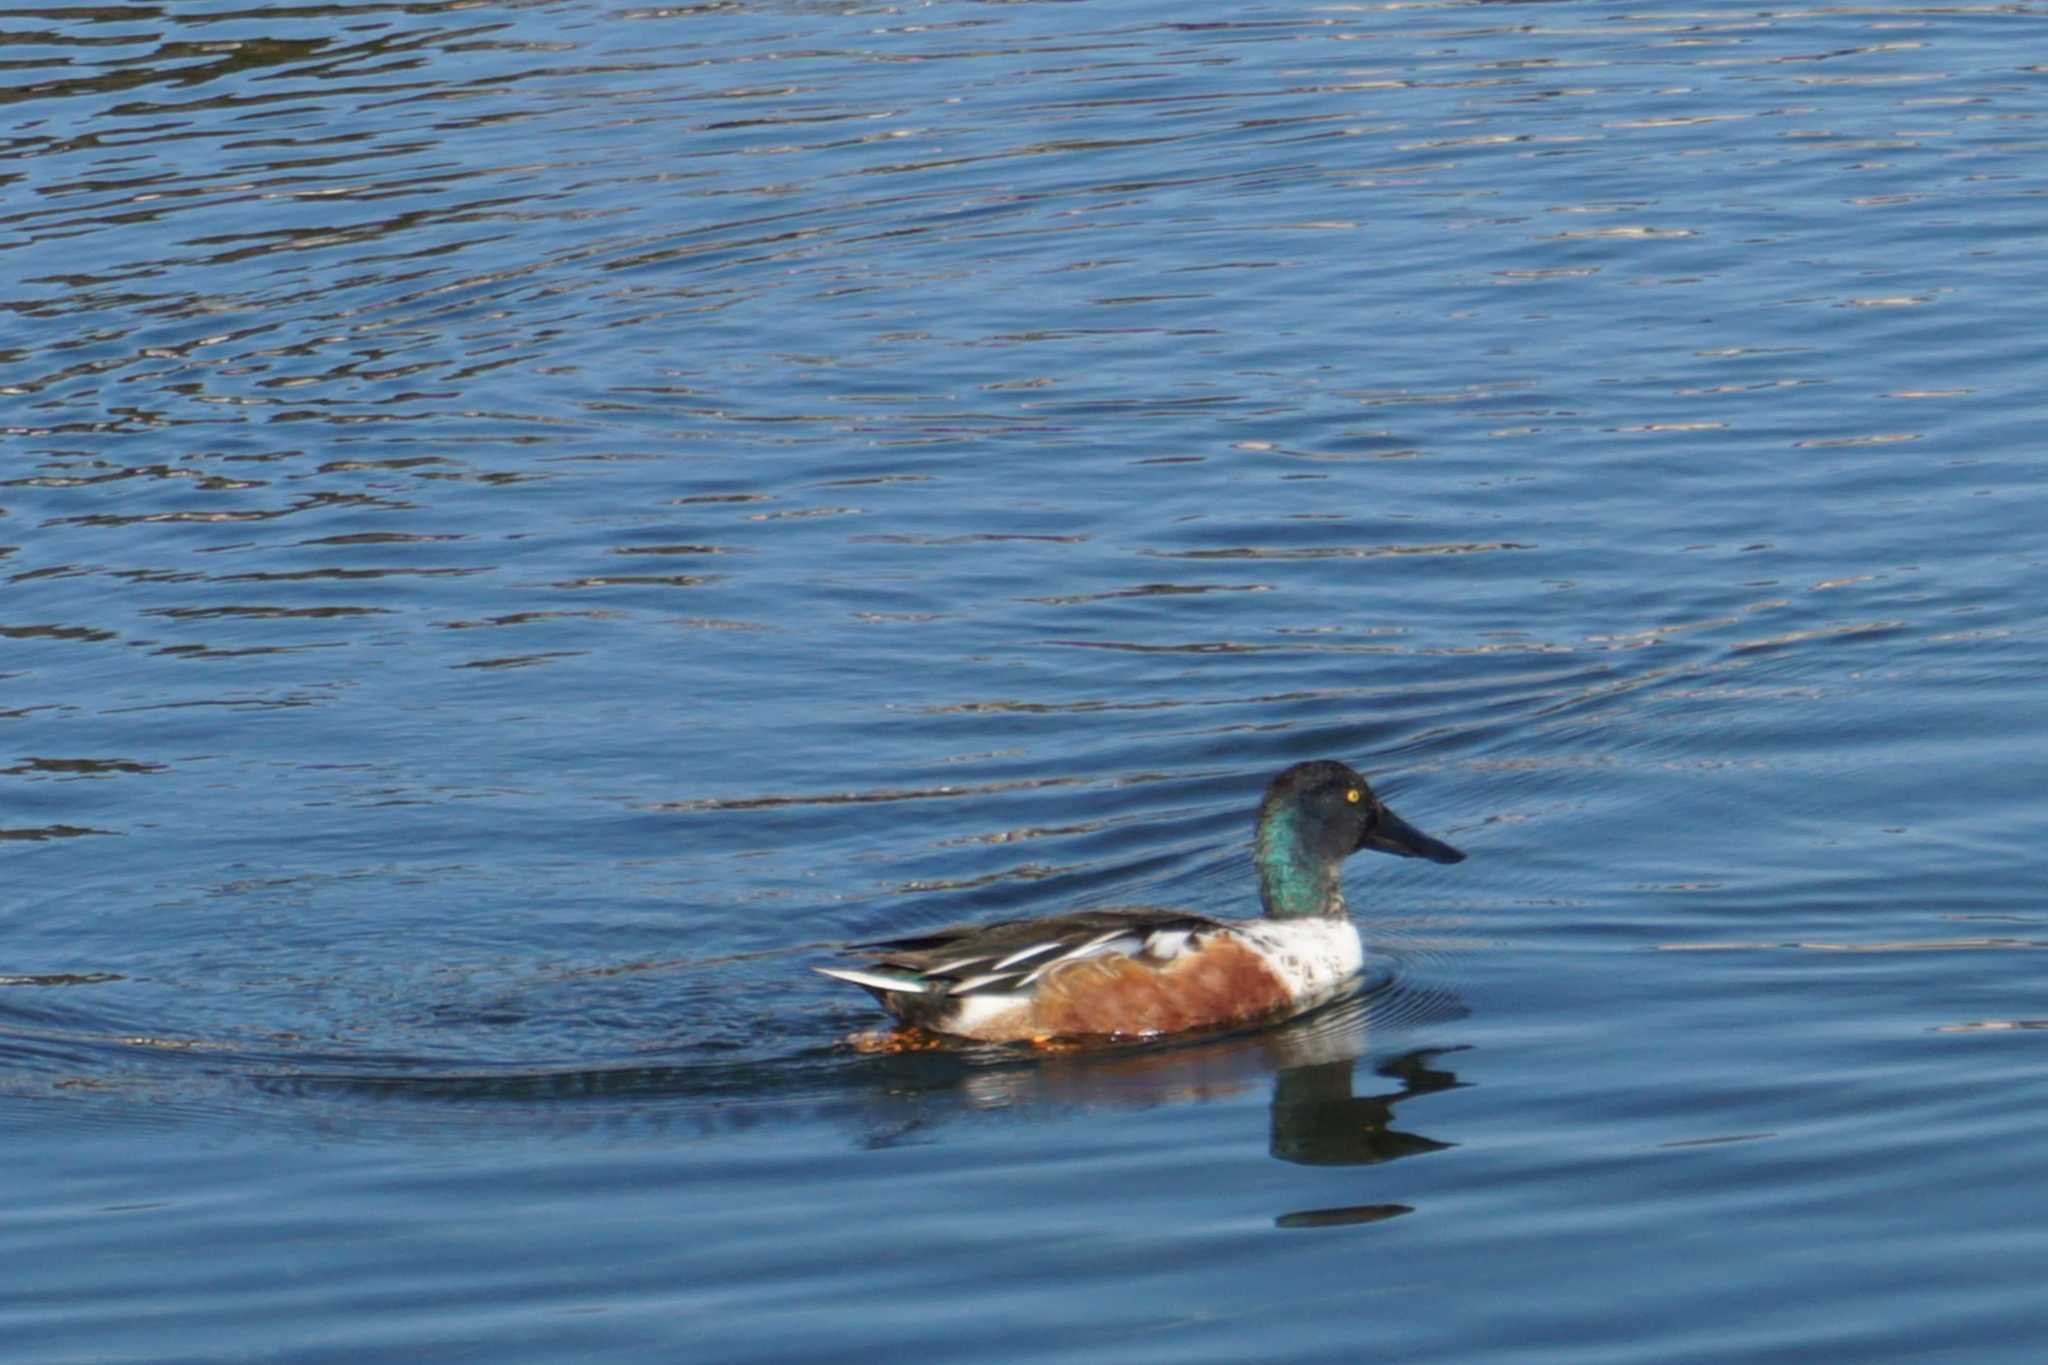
(525, 526)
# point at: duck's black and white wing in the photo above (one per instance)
(1008, 958)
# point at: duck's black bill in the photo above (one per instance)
(1391, 834)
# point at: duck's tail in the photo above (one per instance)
(880, 983)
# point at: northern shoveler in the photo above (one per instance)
(1141, 973)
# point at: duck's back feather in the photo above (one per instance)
(1010, 955)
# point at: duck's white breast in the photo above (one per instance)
(1315, 957)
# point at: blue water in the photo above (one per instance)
(527, 526)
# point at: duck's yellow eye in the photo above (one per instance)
(1352, 796)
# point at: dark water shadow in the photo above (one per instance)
(1321, 1112)
(1311, 1065)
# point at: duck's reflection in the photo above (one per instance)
(1317, 1121)
(1312, 1064)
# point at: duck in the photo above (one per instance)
(1129, 974)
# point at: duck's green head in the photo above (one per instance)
(1316, 815)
